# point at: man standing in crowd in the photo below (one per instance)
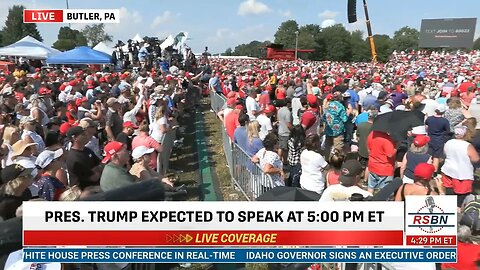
(284, 117)
(252, 106)
(381, 161)
(115, 175)
(113, 121)
(334, 117)
(82, 163)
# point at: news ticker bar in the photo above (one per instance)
(230, 255)
(71, 16)
(214, 238)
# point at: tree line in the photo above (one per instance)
(15, 29)
(334, 43)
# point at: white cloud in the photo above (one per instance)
(327, 23)
(252, 7)
(286, 13)
(166, 17)
(328, 14)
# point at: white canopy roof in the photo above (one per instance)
(137, 38)
(102, 47)
(30, 48)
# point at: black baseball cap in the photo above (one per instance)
(15, 171)
(349, 172)
(74, 131)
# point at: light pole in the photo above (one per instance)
(69, 26)
(296, 45)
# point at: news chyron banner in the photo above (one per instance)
(71, 16)
(233, 232)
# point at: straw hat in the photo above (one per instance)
(20, 146)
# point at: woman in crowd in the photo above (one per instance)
(254, 143)
(160, 127)
(416, 154)
(336, 161)
(141, 169)
(457, 171)
(455, 112)
(30, 134)
(270, 162)
(11, 134)
(422, 175)
(313, 166)
(49, 186)
(296, 143)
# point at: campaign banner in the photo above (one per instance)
(447, 33)
(237, 255)
(71, 16)
(213, 223)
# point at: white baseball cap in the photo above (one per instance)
(140, 151)
(47, 156)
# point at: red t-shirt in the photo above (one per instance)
(464, 86)
(71, 118)
(231, 123)
(280, 93)
(382, 153)
(467, 257)
(264, 100)
(333, 177)
(308, 118)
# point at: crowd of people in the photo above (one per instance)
(310, 125)
(69, 133)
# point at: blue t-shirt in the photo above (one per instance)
(354, 98)
(240, 137)
(438, 129)
(361, 118)
(215, 83)
(370, 100)
(254, 147)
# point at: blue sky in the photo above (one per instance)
(220, 24)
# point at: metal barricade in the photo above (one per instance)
(217, 101)
(248, 176)
(227, 149)
(163, 158)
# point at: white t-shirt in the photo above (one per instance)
(268, 157)
(251, 105)
(155, 131)
(341, 193)
(296, 105)
(265, 125)
(313, 165)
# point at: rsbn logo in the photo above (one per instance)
(430, 218)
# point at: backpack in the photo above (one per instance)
(471, 216)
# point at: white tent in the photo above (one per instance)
(30, 48)
(168, 42)
(102, 47)
(137, 38)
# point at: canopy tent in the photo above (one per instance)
(102, 47)
(137, 38)
(80, 55)
(30, 48)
